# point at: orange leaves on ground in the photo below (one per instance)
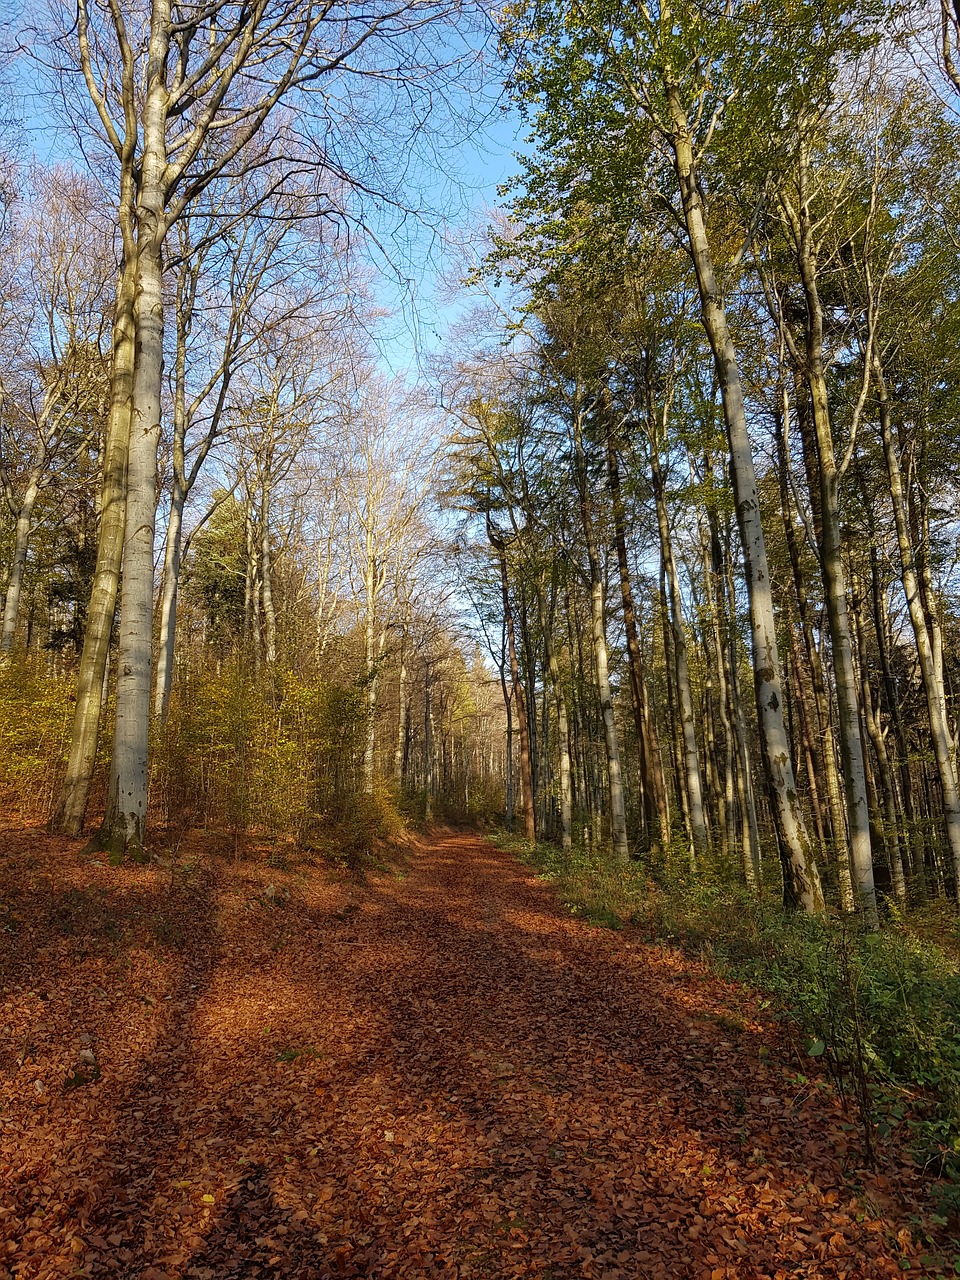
(441, 1076)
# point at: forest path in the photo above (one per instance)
(434, 1075)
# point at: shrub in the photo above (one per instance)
(36, 714)
(272, 754)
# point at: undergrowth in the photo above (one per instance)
(880, 1012)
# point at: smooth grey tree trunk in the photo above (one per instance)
(563, 733)
(653, 787)
(266, 573)
(691, 779)
(18, 564)
(124, 823)
(168, 602)
(598, 632)
(831, 566)
(403, 713)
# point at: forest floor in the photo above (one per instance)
(226, 1065)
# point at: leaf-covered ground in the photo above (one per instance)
(215, 1067)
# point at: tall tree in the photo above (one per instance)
(181, 95)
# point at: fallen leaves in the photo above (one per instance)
(463, 1082)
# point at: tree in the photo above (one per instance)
(52, 367)
(181, 95)
(671, 83)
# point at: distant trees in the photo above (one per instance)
(53, 368)
(679, 267)
(707, 438)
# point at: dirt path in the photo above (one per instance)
(436, 1076)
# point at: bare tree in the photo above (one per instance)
(181, 94)
(53, 375)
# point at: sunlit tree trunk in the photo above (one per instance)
(618, 816)
(653, 791)
(68, 815)
(826, 745)
(403, 714)
(526, 771)
(18, 563)
(831, 561)
(563, 731)
(690, 778)
(871, 720)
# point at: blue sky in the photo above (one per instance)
(462, 186)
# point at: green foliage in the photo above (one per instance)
(36, 712)
(215, 574)
(275, 755)
(352, 835)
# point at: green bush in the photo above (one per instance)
(273, 754)
(36, 714)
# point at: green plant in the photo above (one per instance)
(35, 717)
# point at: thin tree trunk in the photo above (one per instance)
(801, 878)
(18, 564)
(653, 789)
(403, 713)
(168, 604)
(891, 834)
(563, 732)
(526, 773)
(266, 572)
(831, 563)
(828, 751)
(713, 579)
(618, 816)
(690, 777)
(428, 742)
(749, 828)
(928, 652)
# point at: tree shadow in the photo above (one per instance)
(452, 1078)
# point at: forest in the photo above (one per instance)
(480, 658)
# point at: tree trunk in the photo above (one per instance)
(928, 653)
(871, 719)
(21, 539)
(428, 742)
(831, 564)
(526, 773)
(801, 878)
(168, 603)
(563, 732)
(403, 716)
(826, 743)
(618, 815)
(653, 789)
(124, 823)
(67, 818)
(266, 573)
(691, 780)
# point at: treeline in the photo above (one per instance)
(709, 458)
(219, 547)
